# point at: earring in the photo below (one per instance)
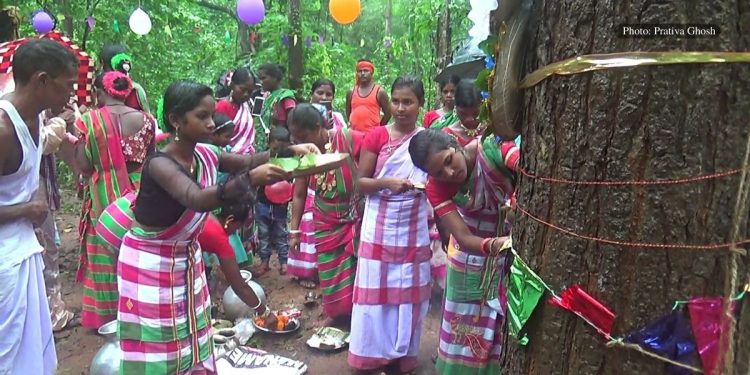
(228, 221)
(177, 135)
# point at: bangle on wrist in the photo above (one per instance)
(483, 247)
(265, 313)
(295, 231)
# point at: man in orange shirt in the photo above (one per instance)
(367, 100)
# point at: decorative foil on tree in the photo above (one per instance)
(670, 337)
(524, 290)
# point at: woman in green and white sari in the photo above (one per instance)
(279, 102)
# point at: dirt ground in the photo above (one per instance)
(77, 346)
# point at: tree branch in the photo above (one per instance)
(216, 7)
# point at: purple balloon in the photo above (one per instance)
(42, 22)
(251, 12)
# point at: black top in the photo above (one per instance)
(154, 206)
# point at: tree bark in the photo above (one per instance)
(389, 27)
(443, 52)
(643, 123)
(296, 62)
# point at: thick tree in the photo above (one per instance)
(296, 59)
(640, 123)
(443, 47)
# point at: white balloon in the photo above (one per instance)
(140, 22)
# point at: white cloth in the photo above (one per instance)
(17, 239)
(52, 134)
(26, 343)
(387, 331)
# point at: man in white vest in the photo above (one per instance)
(44, 73)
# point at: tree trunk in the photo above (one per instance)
(443, 52)
(67, 23)
(389, 27)
(643, 123)
(296, 67)
(243, 34)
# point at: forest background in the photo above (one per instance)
(199, 40)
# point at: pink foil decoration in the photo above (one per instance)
(709, 323)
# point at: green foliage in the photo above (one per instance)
(187, 40)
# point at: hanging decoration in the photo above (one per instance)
(295, 40)
(524, 290)
(670, 337)
(362, 42)
(308, 41)
(42, 21)
(285, 40)
(140, 22)
(90, 22)
(709, 322)
(387, 43)
(344, 11)
(116, 26)
(577, 301)
(168, 31)
(253, 36)
(251, 12)
(321, 39)
(197, 28)
(227, 37)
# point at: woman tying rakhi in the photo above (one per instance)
(334, 208)
(237, 107)
(114, 143)
(465, 125)
(468, 186)
(167, 329)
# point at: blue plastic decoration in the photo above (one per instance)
(670, 337)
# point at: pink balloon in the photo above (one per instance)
(279, 193)
(42, 22)
(251, 12)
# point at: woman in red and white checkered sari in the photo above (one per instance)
(163, 308)
(392, 286)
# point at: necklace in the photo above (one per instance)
(329, 145)
(471, 132)
(326, 181)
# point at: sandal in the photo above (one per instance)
(307, 284)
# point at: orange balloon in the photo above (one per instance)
(345, 11)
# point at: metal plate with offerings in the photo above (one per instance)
(287, 321)
(328, 339)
